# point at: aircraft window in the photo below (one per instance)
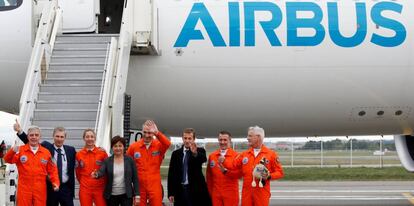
(6, 5)
(398, 113)
(361, 113)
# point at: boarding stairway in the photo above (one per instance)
(78, 81)
(71, 92)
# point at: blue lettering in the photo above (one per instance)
(336, 35)
(234, 21)
(294, 23)
(381, 21)
(300, 16)
(199, 12)
(268, 26)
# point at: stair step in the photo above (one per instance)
(82, 45)
(66, 104)
(78, 41)
(80, 49)
(71, 132)
(74, 80)
(50, 115)
(86, 37)
(78, 56)
(70, 88)
(74, 73)
(55, 67)
(94, 35)
(65, 123)
(78, 64)
(79, 52)
(47, 96)
(68, 59)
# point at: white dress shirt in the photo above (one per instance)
(65, 176)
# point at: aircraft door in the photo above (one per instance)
(79, 15)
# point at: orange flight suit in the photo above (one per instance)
(223, 187)
(256, 196)
(91, 189)
(148, 162)
(33, 170)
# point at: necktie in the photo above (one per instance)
(59, 163)
(185, 165)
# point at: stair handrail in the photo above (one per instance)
(122, 64)
(49, 26)
(104, 114)
(109, 121)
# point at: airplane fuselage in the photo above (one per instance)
(294, 68)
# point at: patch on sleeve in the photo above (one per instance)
(212, 164)
(155, 153)
(245, 160)
(43, 161)
(137, 155)
(99, 162)
(23, 159)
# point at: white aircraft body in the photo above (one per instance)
(296, 68)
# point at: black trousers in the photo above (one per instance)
(63, 196)
(116, 200)
(186, 197)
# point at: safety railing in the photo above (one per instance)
(49, 26)
(104, 114)
(124, 50)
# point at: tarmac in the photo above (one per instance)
(328, 193)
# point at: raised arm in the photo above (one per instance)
(18, 129)
(165, 142)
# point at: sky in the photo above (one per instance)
(6, 127)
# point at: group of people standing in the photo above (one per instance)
(133, 177)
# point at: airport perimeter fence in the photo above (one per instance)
(312, 152)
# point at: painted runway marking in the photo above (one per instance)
(342, 191)
(409, 197)
(367, 198)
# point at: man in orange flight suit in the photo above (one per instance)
(34, 164)
(223, 184)
(88, 160)
(246, 161)
(148, 154)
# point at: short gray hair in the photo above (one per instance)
(59, 129)
(33, 128)
(257, 130)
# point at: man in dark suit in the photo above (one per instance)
(186, 183)
(65, 160)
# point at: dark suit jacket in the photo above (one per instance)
(70, 154)
(130, 175)
(197, 184)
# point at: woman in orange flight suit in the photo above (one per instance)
(89, 160)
